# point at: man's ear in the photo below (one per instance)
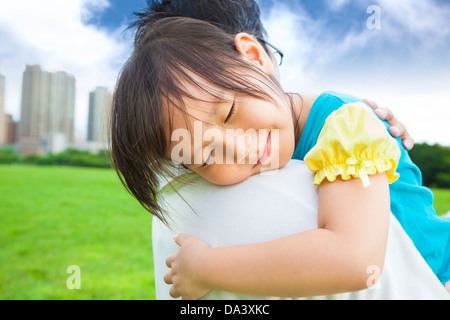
(252, 49)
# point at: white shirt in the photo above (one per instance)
(267, 207)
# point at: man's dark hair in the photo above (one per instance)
(232, 16)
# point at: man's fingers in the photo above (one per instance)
(383, 113)
(394, 131)
(397, 129)
(386, 114)
(179, 238)
(370, 103)
(168, 278)
(174, 292)
(408, 143)
(169, 260)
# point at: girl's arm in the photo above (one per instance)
(336, 257)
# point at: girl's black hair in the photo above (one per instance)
(169, 52)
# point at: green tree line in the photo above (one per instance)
(433, 161)
(69, 157)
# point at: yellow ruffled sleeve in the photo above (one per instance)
(353, 143)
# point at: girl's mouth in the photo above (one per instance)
(266, 153)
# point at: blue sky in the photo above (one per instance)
(118, 12)
(404, 65)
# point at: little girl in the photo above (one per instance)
(186, 75)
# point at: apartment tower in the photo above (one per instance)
(2, 111)
(47, 111)
(99, 102)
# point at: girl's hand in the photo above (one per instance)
(185, 273)
(397, 128)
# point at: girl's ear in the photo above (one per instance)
(252, 49)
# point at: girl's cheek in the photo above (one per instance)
(258, 117)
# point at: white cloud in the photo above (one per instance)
(51, 33)
(337, 5)
(419, 18)
(308, 44)
(89, 8)
(404, 66)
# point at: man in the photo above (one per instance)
(233, 16)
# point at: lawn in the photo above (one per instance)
(52, 218)
(441, 200)
(55, 217)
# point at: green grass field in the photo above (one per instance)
(441, 200)
(55, 217)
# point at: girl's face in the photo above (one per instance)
(227, 140)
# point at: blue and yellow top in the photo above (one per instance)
(343, 137)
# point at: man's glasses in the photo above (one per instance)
(278, 53)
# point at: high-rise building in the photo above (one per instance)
(99, 103)
(2, 111)
(47, 111)
(11, 129)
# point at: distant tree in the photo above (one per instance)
(9, 156)
(434, 162)
(69, 157)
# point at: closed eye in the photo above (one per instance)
(207, 162)
(232, 112)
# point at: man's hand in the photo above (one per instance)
(397, 128)
(185, 274)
